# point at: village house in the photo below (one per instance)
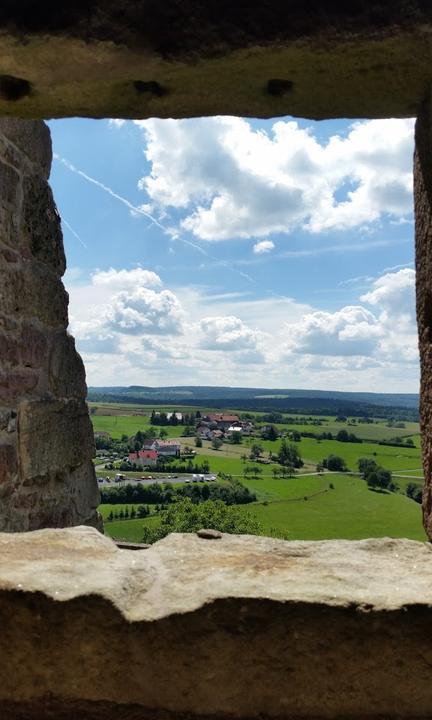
(146, 458)
(167, 448)
(221, 420)
(245, 428)
(217, 434)
(204, 432)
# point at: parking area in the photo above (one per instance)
(124, 479)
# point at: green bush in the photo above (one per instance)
(186, 517)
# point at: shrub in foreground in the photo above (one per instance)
(186, 517)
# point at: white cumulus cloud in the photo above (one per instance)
(157, 336)
(126, 278)
(353, 330)
(144, 311)
(394, 293)
(227, 333)
(355, 337)
(263, 246)
(127, 307)
(232, 181)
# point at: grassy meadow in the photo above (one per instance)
(348, 510)
(351, 511)
(228, 458)
(366, 431)
(118, 425)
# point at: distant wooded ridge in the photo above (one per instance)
(325, 402)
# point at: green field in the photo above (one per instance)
(231, 465)
(415, 474)
(278, 489)
(392, 458)
(366, 431)
(118, 425)
(131, 530)
(351, 511)
(312, 452)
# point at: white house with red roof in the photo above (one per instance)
(169, 448)
(146, 458)
(222, 420)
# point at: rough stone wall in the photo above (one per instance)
(146, 58)
(423, 231)
(238, 628)
(47, 478)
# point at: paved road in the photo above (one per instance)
(157, 480)
(409, 477)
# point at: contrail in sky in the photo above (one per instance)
(133, 208)
(65, 222)
(136, 209)
(108, 190)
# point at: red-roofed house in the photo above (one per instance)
(222, 420)
(163, 447)
(147, 458)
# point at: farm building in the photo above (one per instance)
(146, 458)
(163, 447)
(222, 420)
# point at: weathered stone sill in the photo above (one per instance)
(237, 627)
(372, 72)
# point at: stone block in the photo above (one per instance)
(33, 345)
(8, 324)
(33, 291)
(66, 369)
(245, 627)
(423, 234)
(9, 350)
(31, 137)
(54, 436)
(83, 496)
(16, 384)
(41, 223)
(26, 346)
(10, 154)
(8, 256)
(57, 499)
(60, 499)
(8, 463)
(7, 419)
(9, 183)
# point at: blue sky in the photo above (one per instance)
(216, 251)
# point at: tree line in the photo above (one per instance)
(232, 492)
(174, 466)
(141, 511)
(161, 418)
